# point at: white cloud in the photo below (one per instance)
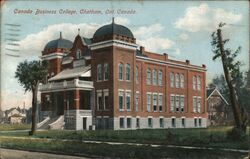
(204, 18)
(183, 37)
(144, 32)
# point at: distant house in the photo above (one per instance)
(219, 110)
(16, 115)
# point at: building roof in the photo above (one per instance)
(113, 29)
(211, 91)
(86, 41)
(83, 71)
(59, 43)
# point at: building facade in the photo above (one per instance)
(110, 82)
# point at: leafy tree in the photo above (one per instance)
(232, 75)
(29, 74)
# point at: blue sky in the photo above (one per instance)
(182, 29)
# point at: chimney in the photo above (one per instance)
(60, 35)
(203, 65)
(142, 49)
(166, 56)
(188, 62)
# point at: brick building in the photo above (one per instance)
(109, 82)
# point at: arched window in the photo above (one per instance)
(154, 77)
(78, 54)
(177, 80)
(182, 81)
(120, 69)
(127, 72)
(194, 82)
(160, 77)
(171, 79)
(198, 83)
(148, 76)
(137, 74)
(99, 72)
(106, 71)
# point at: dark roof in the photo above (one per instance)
(139, 53)
(87, 41)
(113, 29)
(59, 43)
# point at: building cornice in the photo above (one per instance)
(53, 56)
(117, 43)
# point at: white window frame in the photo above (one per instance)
(177, 103)
(99, 72)
(183, 124)
(150, 119)
(128, 95)
(129, 126)
(105, 94)
(155, 102)
(161, 124)
(198, 83)
(160, 101)
(154, 77)
(172, 83)
(121, 94)
(106, 72)
(137, 95)
(160, 76)
(137, 74)
(99, 94)
(194, 82)
(173, 125)
(182, 103)
(194, 104)
(148, 76)
(121, 127)
(120, 71)
(78, 54)
(128, 70)
(198, 104)
(149, 101)
(182, 80)
(177, 80)
(172, 102)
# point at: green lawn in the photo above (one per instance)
(9, 127)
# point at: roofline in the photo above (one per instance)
(219, 94)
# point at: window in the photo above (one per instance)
(121, 94)
(106, 71)
(195, 122)
(99, 72)
(194, 104)
(198, 83)
(182, 81)
(120, 69)
(160, 77)
(171, 79)
(173, 122)
(99, 100)
(194, 82)
(154, 77)
(198, 104)
(106, 100)
(177, 80)
(137, 122)
(177, 103)
(183, 122)
(200, 122)
(160, 102)
(155, 102)
(78, 54)
(172, 100)
(150, 124)
(128, 122)
(128, 101)
(121, 122)
(148, 76)
(127, 72)
(148, 102)
(161, 123)
(137, 102)
(182, 103)
(137, 74)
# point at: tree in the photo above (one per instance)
(232, 75)
(29, 75)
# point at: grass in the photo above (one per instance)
(115, 151)
(10, 127)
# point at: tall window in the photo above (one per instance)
(106, 67)
(120, 70)
(137, 74)
(194, 104)
(198, 83)
(121, 122)
(195, 122)
(160, 102)
(155, 102)
(106, 100)
(137, 122)
(160, 77)
(148, 76)
(128, 122)
(154, 77)
(128, 100)
(137, 102)
(148, 102)
(127, 72)
(183, 122)
(100, 101)
(172, 100)
(194, 82)
(182, 103)
(200, 122)
(161, 122)
(99, 72)
(198, 104)
(78, 54)
(121, 95)
(150, 123)
(177, 103)
(182, 80)
(171, 79)
(177, 80)
(173, 122)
